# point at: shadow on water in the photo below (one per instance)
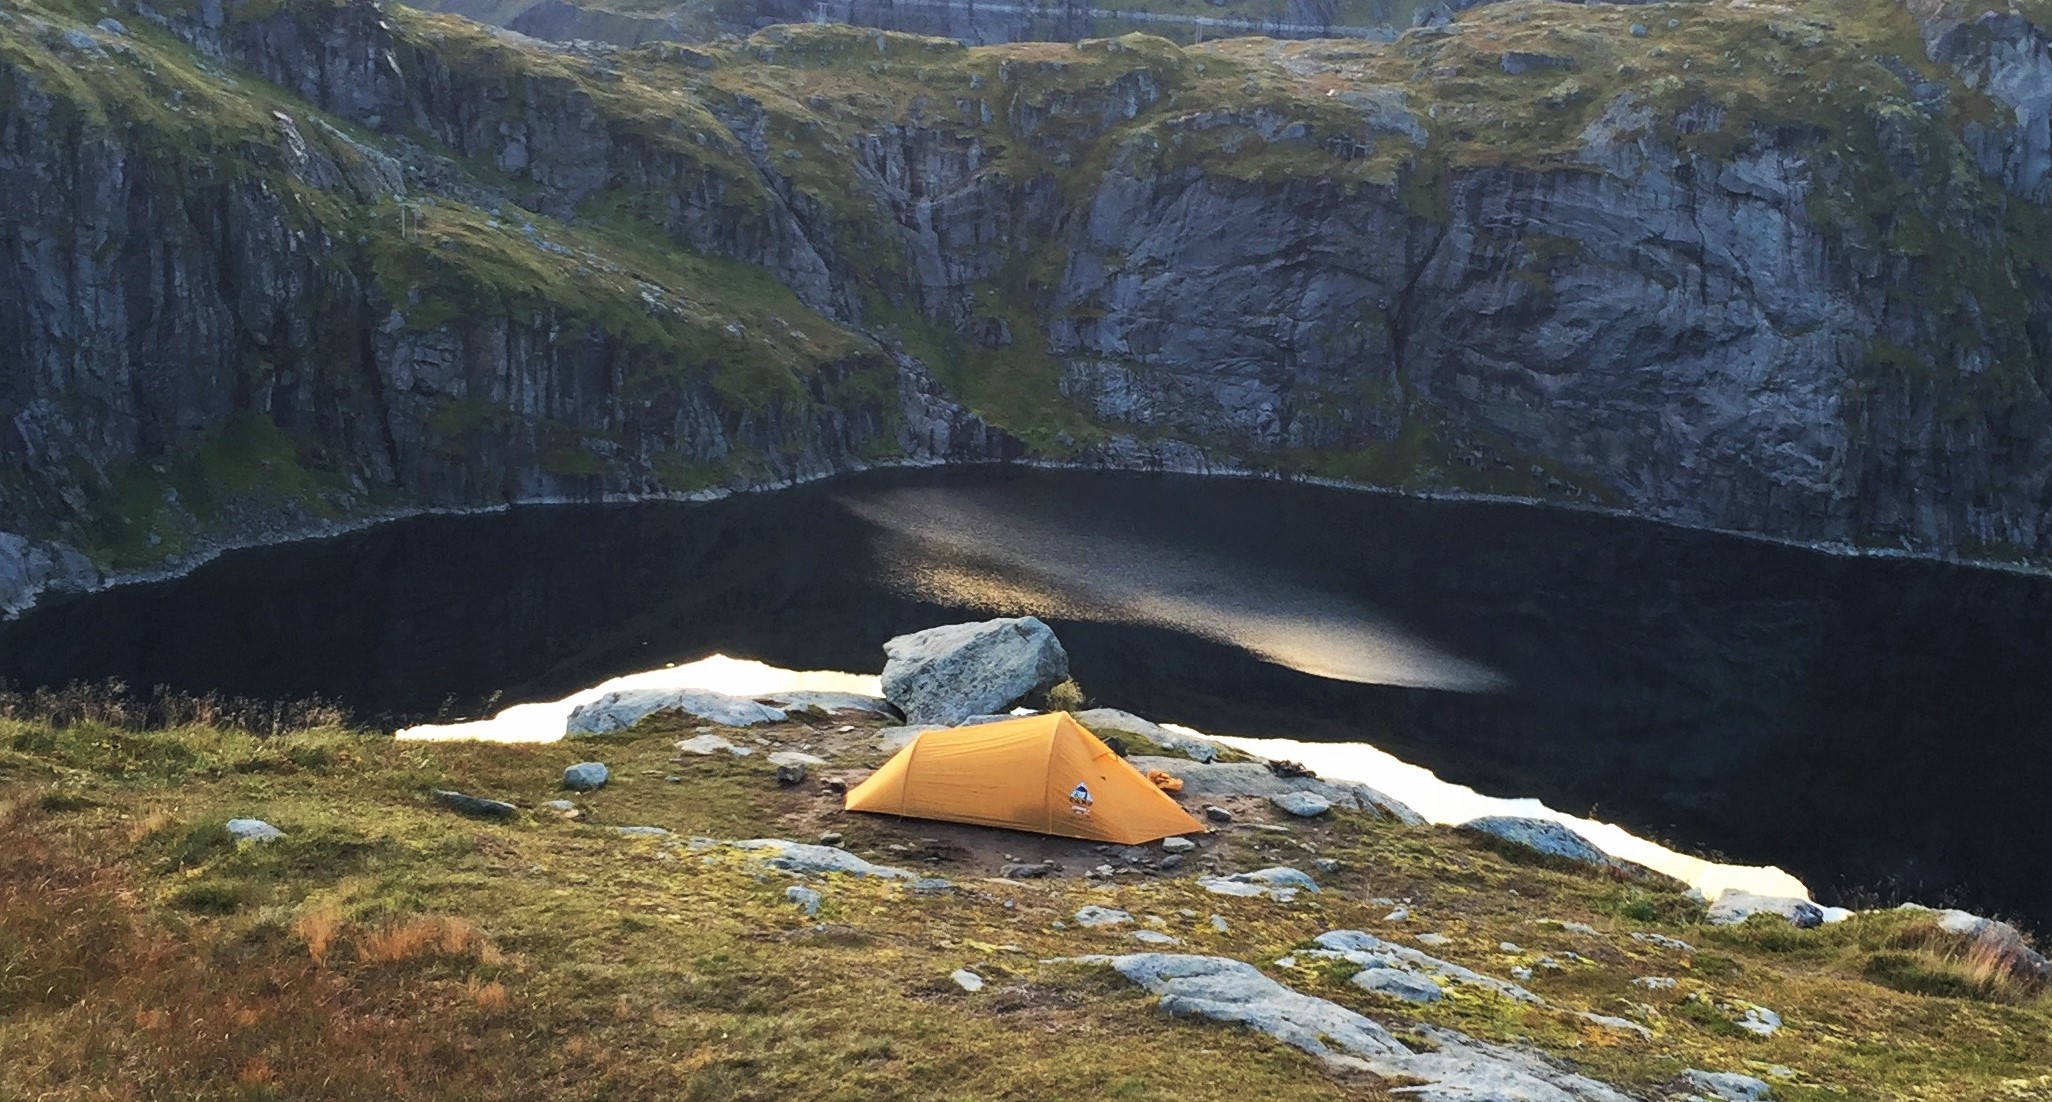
(1871, 725)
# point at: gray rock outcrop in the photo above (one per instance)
(1551, 838)
(586, 776)
(946, 674)
(1254, 779)
(618, 711)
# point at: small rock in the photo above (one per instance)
(1217, 814)
(112, 26)
(253, 830)
(1729, 1086)
(643, 831)
(1578, 928)
(1401, 914)
(477, 807)
(1508, 947)
(1177, 845)
(966, 980)
(1518, 62)
(1638, 30)
(1760, 1021)
(807, 899)
(1434, 940)
(830, 838)
(1154, 937)
(1663, 941)
(932, 885)
(560, 805)
(1025, 872)
(1327, 865)
(1094, 916)
(1304, 805)
(586, 777)
(791, 774)
(793, 757)
(1172, 861)
(1520, 972)
(1218, 923)
(1655, 983)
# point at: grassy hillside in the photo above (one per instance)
(388, 948)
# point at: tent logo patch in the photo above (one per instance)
(1080, 799)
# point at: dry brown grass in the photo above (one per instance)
(102, 999)
(113, 704)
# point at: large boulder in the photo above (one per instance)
(946, 674)
(621, 710)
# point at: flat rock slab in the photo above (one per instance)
(1458, 1069)
(1248, 778)
(477, 807)
(801, 857)
(795, 757)
(1094, 916)
(1728, 1086)
(890, 740)
(1304, 805)
(708, 745)
(1369, 951)
(622, 710)
(1734, 907)
(1103, 721)
(1398, 984)
(946, 674)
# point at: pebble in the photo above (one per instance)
(1655, 983)
(966, 980)
(1094, 915)
(1218, 923)
(1172, 861)
(1154, 937)
(1401, 914)
(1326, 864)
(1520, 972)
(932, 885)
(1217, 814)
(1177, 845)
(807, 899)
(1025, 872)
(830, 838)
(1508, 947)
(560, 805)
(1434, 940)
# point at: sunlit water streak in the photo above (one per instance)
(1015, 558)
(1437, 800)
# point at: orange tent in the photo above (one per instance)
(1044, 773)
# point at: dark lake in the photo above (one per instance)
(1881, 728)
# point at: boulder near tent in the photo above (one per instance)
(1045, 773)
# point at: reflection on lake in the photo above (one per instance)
(1871, 725)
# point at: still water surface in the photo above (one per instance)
(1880, 728)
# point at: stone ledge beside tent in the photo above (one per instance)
(1253, 779)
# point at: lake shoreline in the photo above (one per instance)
(14, 605)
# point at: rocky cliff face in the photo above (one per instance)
(1740, 267)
